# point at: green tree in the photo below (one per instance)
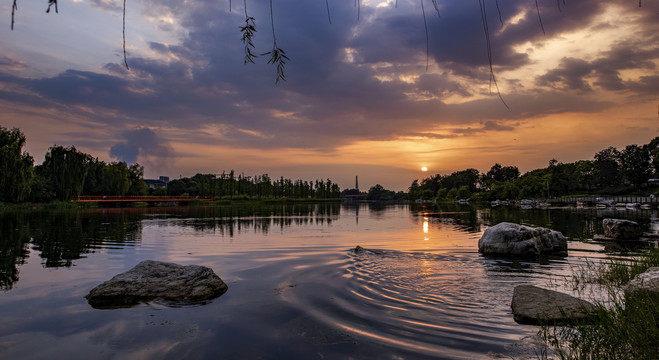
(468, 177)
(94, 182)
(379, 193)
(415, 191)
(463, 192)
(585, 174)
(66, 169)
(653, 148)
(635, 164)
(15, 166)
(116, 177)
(136, 177)
(607, 167)
(176, 187)
(503, 173)
(41, 189)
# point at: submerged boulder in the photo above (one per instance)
(621, 229)
(520, 240)
(158, 281)
(533, 305)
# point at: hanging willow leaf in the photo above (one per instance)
(124, 37)
(434, 3)
(329, 17)
(14, 7)
(278, 57)
(248, 33)
(486, 28)
(51, 3)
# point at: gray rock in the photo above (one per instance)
(621, 229)
(645, 282)
(360, 250)
(150, 280)
(520, 240)
(533, 305)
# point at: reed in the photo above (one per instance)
(625, 327)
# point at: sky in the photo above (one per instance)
(366, 92)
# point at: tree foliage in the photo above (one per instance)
(15, 166)
(230, 186)
(379, 193)
(610, 172)
(636, 164)
(65, 168)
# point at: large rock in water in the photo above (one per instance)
(647, 282)
(165, 282)
(533, 305)
(520, 240)
(621, 229)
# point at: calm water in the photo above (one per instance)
(296, 290)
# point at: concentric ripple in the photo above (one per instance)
(428, 305)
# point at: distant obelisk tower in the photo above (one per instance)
(357, 182)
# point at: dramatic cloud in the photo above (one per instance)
(143, 143)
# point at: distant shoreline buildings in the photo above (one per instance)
(159, 183)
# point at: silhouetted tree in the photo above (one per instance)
(607, 167)
(66, 169)
(379, 193)
(15, 166)
(503, 173)
(635, 164)
(136, 177)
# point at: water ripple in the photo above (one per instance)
(435, 305)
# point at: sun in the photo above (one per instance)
(424, 169)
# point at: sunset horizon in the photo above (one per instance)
(357, 99)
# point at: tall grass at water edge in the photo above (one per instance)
(624, 326)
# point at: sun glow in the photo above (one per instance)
(424, 169)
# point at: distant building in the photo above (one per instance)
(157, 184)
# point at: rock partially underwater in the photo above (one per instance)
(168, 283)
(647, 282)
(519, 240)
(621, 229)
(533, 305)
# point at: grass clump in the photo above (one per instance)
(626, 326)
(627, 329)
(618, 272)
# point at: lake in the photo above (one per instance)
(296, 287)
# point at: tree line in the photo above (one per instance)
(610, 172)
(64, 174)
(67, 173)
(232, 186)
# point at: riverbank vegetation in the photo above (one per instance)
(229, 186)
(67, 173)
(625, 326)
(610, 172)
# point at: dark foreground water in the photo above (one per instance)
(296, 288)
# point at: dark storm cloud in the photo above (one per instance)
(569, 75)
(604, 72)
(140, 142)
